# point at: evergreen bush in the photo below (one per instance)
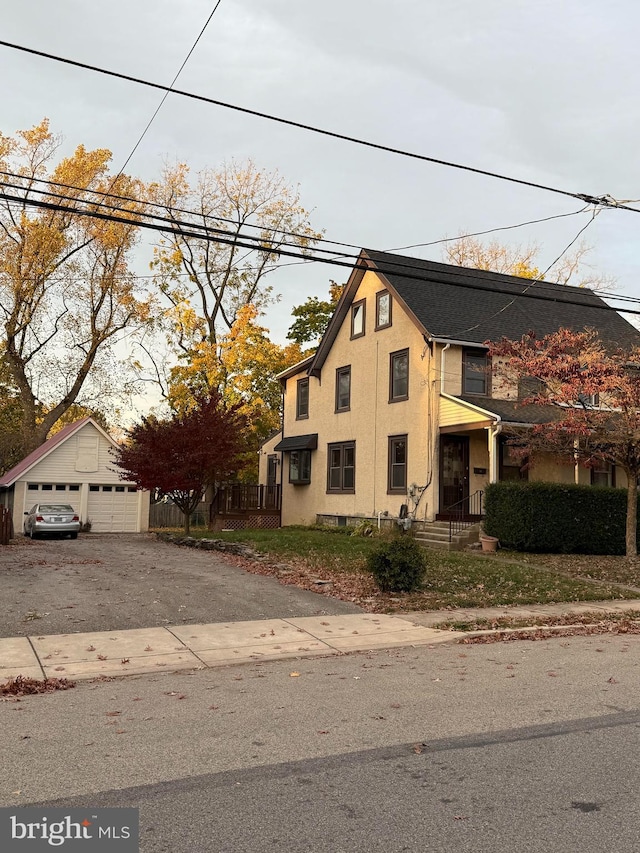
(556, 517)
(398, 565)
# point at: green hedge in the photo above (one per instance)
(556, 518)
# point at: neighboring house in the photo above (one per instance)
(400, 412)
(75, 466)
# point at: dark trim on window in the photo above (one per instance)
(606, 469)
(398, 384)
(361, 303)
(343, 388)
(397, 465)
(381, 294)
(513, 469)
(476, 372)
(302, 399)
(300, 467)
(341, 468)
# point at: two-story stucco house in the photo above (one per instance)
(399, 410)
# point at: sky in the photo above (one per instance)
(546, 92)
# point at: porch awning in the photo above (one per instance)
(298, 442)
(478, 412)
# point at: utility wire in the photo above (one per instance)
(207, 216)
(255, 243)
(537, 280)
(604, 201)
(166, 94)
(361, 263)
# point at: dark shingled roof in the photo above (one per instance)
(474, 305)
(511, 411)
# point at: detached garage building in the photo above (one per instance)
(76, 466)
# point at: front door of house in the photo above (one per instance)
(454, 475)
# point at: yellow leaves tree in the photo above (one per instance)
(238, 201)
(241, 367)
(521, 261)
(66, 290)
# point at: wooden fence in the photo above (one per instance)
(168, 515)
(6, 525)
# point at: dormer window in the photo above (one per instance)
(475, 372)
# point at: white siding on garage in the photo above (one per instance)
(61, 465)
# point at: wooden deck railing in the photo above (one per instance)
(241, 498)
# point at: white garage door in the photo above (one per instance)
(113, 509)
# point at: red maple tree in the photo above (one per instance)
(595, 392)
(181, 456)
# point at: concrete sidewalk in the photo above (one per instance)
(144, 650)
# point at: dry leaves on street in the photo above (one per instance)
(20, 686)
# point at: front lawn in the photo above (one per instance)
(307, 556)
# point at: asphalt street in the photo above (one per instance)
(526, 746)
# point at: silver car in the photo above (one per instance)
(51, 518)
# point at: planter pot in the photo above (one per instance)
(489, 543)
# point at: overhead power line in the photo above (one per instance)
(306, 260)
(603, 201)
(166, 94)
(234, 238)
(417, 275)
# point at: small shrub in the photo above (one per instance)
(398, 565)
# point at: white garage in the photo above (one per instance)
(76, 466)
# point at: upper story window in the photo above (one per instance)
(529, 386)
(302, 399)
(399, 376)
(358, 318)
(343, 389)
(475, 372)
(383, 309)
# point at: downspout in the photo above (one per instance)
(442, 366)
(494, 432)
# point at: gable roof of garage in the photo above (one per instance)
(45, 449)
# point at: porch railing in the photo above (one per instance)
(241, 498)
(464, 513)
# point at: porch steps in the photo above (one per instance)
(435, 534)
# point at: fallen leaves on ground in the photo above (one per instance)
(603, 627)
(20, 686)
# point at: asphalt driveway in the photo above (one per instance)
(102, 582)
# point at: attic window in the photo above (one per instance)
(357, 319)
(383, 309)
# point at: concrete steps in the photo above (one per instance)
(436, 535)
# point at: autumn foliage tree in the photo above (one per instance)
(66, 289)
(522, 260)
(242, 368)
(181, 456)
(252, 213)
(566, 370)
